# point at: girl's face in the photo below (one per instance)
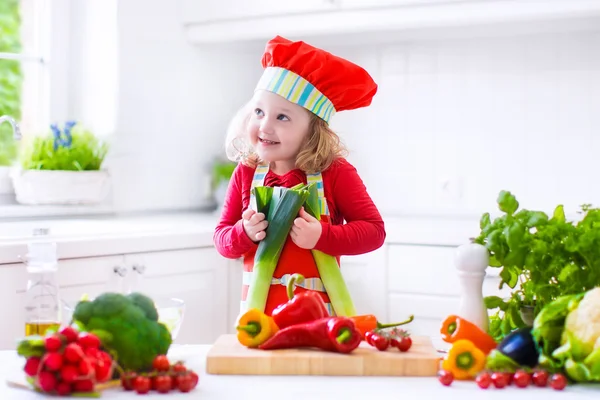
(278, 127)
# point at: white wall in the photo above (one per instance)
(455, 120)
(174, 104)
(478, 116)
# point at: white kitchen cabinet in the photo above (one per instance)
(423, 281)
(214, 11)
(89, 276)
(365, 276)
(196, 276)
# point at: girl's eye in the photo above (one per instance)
(259, 112)
(283, 117)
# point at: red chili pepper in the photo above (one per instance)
(302, 307)
(337, 334)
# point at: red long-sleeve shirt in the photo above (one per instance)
(347, 198)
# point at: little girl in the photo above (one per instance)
(282, 138)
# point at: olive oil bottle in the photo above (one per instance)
(42, 304)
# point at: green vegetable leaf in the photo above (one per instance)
(510, 275)
(559, 214)
(485, 221)
(577, 371)
(507, 202)
(497, 361)
(492, 302)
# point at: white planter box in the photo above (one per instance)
(6, 186)
(36, 187)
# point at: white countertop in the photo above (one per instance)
(305, 387)
(109, 235)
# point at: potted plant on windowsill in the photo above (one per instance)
(64, 167)
(542, 258)
(221, 174)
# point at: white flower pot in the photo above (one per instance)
(6, 185)
(38, 187)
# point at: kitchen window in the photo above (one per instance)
(57, 63)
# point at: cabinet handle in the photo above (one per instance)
(121, 271)
(139, 268)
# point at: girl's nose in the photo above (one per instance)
(266, 125)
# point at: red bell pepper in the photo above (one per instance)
(336, 334)
(301, 307)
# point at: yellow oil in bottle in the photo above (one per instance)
(36, 328)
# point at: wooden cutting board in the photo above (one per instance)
(228, 357)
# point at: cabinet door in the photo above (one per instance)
(75, 278)
(198, 277)
(194, 11)
(13, 277)
(365, 276)
(423, 281)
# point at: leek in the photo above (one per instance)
(282, 206)
(327, 265)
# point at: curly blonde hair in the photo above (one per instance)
(320, 149)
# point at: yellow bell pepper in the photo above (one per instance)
(464, 360)
(255, 327)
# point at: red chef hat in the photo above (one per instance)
(314, 79)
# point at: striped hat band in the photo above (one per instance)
(296, 89)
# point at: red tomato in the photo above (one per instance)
(127, 380)
(499, 380)
(185, 382)
(163, 383)
(484, 380)
(558, 382)
(161, 363)
(540, 378)
(381, 342)
(369, 337)
(445, 377)
(522, 379)
(179, 367)
(404, 343)
(141, 384)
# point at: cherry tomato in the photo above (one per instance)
(499, 379)
(179, 367)
(161, 363)
(185, 382)
(404, 344)
(127, 380)
(484, 380)
(141, 384)
(381, 342)
(509, 378)
(522, 379)
(445, 377)
(558, 382)
(163, 383)
(540, 378)
(194, 377)
(369, 337)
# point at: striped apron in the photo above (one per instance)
(293, 259)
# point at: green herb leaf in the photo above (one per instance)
(507, 202)
(492, 302)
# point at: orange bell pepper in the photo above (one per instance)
(368, 322)
(455, 328)
(464, 360)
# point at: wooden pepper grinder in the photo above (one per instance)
(471, 261)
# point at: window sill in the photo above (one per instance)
(21, 212)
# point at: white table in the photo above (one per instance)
(219, 387)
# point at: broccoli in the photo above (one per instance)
(569, 330)
(128, 327)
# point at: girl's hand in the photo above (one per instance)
(254, 225)
(306, 230)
